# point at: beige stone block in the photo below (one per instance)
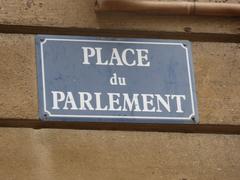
(81, 14)
(77, 154)
(18, 85)
(217, 72)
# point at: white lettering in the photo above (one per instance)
(113, 79)
(117, 102)
(166, 104)
(178, 101)
(58, 96)
(87, 52)
(124, 57)
(85, 99)
(98, 102)
(130, 103)
(99, 58)
(70, 100)
(142, 57)
(147, 102)
(114, 100)
(116, 57)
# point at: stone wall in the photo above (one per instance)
(31, 149)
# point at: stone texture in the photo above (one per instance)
(74, 154)
(81, 14)
(217, 72)
(80, 154)
(18, 85)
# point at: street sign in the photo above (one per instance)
(98, 79)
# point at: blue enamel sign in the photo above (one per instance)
(98, 79)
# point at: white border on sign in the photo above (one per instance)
(118, 117)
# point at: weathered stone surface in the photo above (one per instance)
(79, 154)
(74, 154)
(18, 85)
(217, 72)
(81, 14)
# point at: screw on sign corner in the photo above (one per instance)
(45, 116)
(193, 118)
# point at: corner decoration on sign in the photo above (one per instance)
(96, 79)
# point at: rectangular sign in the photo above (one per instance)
(98, 79)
